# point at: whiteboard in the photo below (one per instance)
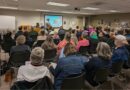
(7, 22)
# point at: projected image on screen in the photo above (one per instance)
(54, 21)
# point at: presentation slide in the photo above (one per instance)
(53, 20)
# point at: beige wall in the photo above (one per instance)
(31, 18)
(114, 19)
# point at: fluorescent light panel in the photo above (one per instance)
(42, 10)
(4, 7)
(57, 4)
(113, 11)
(91, 8)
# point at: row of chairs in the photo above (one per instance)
(101, 76)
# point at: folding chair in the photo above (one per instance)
(73, 83)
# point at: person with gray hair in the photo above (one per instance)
(20, 45)
(34, 70)
(120, 53)
(102, 60)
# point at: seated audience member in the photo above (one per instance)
(20, 45)
(120, 52)
(33, 34)
(72, 64)
(93, 41)
(29, 40)
(40, 39)
(61, 33)
(84, 41)
(20, 32)
(78, 32)
(110, 40)
(41, 36)
(66, 40)
(7, 42)
(48, 44)
(55, 35)
(33, 70)
(102, 37)
(73, 37)
(102, 60)
(127, 35)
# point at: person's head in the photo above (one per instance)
(42, 33)
(103, 50)
(67, 37)
(20, 40)
(120, 40)
(77, 27)
(84, 35)
(73, 31)
(37, 56)
(49, 39)
(37, 25)
(69, 49)
(20, 28)
(112, 35)
(101, 34)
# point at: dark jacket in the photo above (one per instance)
(93, 65)
(72, 64)
(120, 54)
(20, 48)
(42, 84)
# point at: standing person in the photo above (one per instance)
(37, 28)
(61, 33)
(72, 64)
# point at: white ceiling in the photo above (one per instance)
(104, 5)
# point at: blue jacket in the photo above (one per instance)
(72, 64)
(120, 54)
(93, 65)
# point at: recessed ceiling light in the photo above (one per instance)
(4, 7)
(113, 11)
(91, 8)
(57, 4)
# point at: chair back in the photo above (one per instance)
(42, 84)
(50, 55)
(56, 41)
(116, 67)
(101, 75)
(18, 58)
(72, 83)
(84, 50)
(39, 43)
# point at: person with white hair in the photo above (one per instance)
(120, 52)
(34, 70)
